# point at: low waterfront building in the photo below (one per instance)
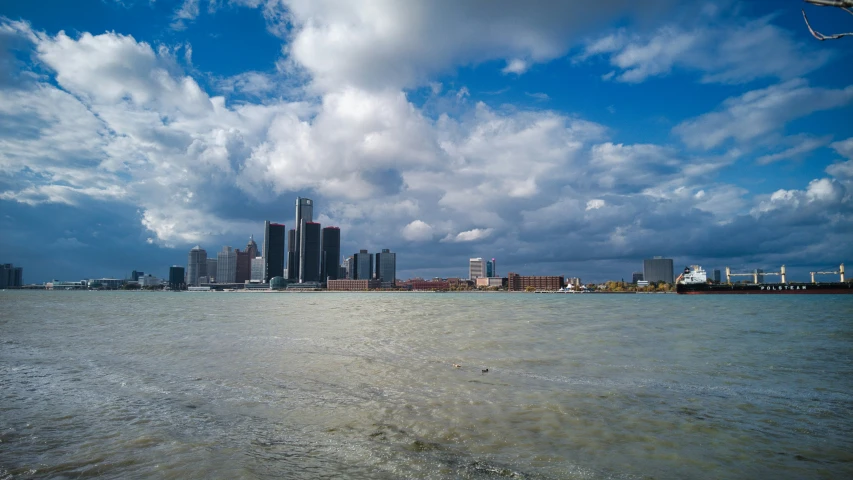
(516, 282)
(427, 285)
(490, 282)
(353, 285)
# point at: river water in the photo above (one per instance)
(363, 385)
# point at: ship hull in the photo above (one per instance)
(764, 288)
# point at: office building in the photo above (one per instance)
(491, 268)
(304, 214)
(329, 267)
(11, 276)
(211, 271)
(386, 267)
(273, 252)
(244, 267)
(226, 265)
(252, 247)
(716, 276)
(176, 278)
(292, 270)
(636, 277)
(257, 270)
(362, 263)
(309, 253)
(658, 269)
(196, 265)
(476, 268)
(134, 275)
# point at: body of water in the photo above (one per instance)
(363, 385)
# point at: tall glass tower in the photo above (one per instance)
(273, 250)
(331, 254)
(304, 214)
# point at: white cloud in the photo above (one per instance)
(388, 44)
(469, 236)
(723, 51)
(417, 231)
(595, 204)
(804, 145)
(759, 112)
(188, 11)
(516, 66)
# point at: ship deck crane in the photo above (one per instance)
(840, 271)
(756, 273)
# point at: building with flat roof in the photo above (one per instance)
(353, 285)
(176, 278)
(273, 250)
(309, 254)
(658, 269)
(476, 268)
(196, 265)
(386, 267)
(362, 265)
(331, 254)
(516, 282)
(226, 265)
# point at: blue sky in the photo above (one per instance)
(572, 138)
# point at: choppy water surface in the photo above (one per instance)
(327, 385)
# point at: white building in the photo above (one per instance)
(257, 270)
(476, 268)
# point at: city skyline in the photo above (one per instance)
(561, 139)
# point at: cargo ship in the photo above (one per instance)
(694, 280)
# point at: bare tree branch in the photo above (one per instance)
(845, 5)
(831, 3)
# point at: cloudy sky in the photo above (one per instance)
(566, 138)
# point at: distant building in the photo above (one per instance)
(362, 265)
(574, 282)
(176, 278)
(304, 214)
(349, 268)
(331, 254)
(490, 282)
(716, 276)
(11, 276)
(292, 269)
(658, 269)
(386, 267)
(257, 270)
(516, 282)
(426, 285)
(226, 265)
(476, 268)
(149, 281)
(273, 252)
(211, 270)
(309, 253)
(244, 267)
(491, 268)
(636, 277)
(196, 265)
(134, 275)
(352, 285)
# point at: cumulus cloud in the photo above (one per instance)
(417, 231)
(372, 45)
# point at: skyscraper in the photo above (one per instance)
(476, 268)
(362, 263)
(244, 267)
(491, 268)
(252, 247)
(273, 250)
(211, 271)
(11, 276)
(657, 269)
(304, 214)
(176, 278)
(257, 269)
(309, 254)
(196, 265)
(292, 265)
(226, 265)
(329, 267)
(349, 267)
(386, 267)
